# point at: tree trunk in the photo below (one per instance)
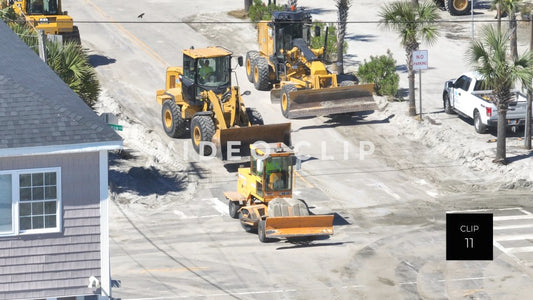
(247, 4)
(501, 155)
(342, 7)
(514, 29)
(499, 15)
(411, 77)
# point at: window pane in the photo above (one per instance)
(50, 192)
(38, 193)
(25, 223)
(25, 209)
(25, 194)
(50, 178)
(50, 221)
(50, 208)
(25, 180)
(37, 208)
(5, 203)
(37, 179)
(38, 222)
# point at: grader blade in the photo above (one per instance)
(328, 101)
(236, 141)
(298, 226)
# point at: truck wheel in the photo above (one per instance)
(202, 131)
(173, 123)
(251, 56)
(261, 81)
(457, 7)
(233, 208)
(347, 83)
(261, 232)
(286, 99)
(254, 116)
(447, 105)
(478, 125)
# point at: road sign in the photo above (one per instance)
(116, 127)
(420, 60)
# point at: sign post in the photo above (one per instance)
(420, 62)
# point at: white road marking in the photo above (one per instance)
(219, 206)
(512, 227)
(509, 218)
(513, 237)
(520, 249)
(387, 190)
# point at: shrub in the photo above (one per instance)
(260, 11)
(318, 41)
(381, 70)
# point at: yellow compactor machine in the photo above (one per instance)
(263, 200)
(49, 16)
(297, 75)
(199, 98)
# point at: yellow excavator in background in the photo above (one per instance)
(47, 15)
(199, 97)
(263, 200)
(296, 74)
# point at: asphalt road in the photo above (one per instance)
(389, 196)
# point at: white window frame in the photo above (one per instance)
(15, 191)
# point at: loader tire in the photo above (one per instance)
(261, 233)
(251, 56)
(246, 227)
(233, 208)
(202, 131)
(173, 123)
(458, 7)
(254, 116)
(261, 77)
(286, 99)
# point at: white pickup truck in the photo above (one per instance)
(465, 96)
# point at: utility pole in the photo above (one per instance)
(42, 47)
(529, 92)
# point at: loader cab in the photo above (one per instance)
(206, 69)
(274, 165)
(43, 7)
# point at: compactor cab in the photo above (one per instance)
(199, 98)
(263, 201)
(47, 15)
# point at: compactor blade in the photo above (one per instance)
(298, 226)
(328, 101)
(240, 138)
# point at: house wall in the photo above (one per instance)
(57, 264)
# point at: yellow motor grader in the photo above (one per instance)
(297, 75)
(199, 97)
(47, 15)
(263, 200)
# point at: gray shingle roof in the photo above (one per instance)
(37, 108)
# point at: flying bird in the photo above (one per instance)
(140, 16)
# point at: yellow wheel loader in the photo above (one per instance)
(263, 201)
(47, 15)
(199, 98)
(296, 74)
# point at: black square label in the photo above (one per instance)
(469, 236)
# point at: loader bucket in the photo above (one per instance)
(298, 226)
(245, 136)
(328, 101)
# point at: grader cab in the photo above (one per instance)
(263, 201)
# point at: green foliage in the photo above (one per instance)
(318, 41)
(70, 62)
(381, 70)
(260, 11)
(26, 34)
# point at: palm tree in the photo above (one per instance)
(70, 62)
(413, 23)
(510, 7)
(490, 58)
(342, 6)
